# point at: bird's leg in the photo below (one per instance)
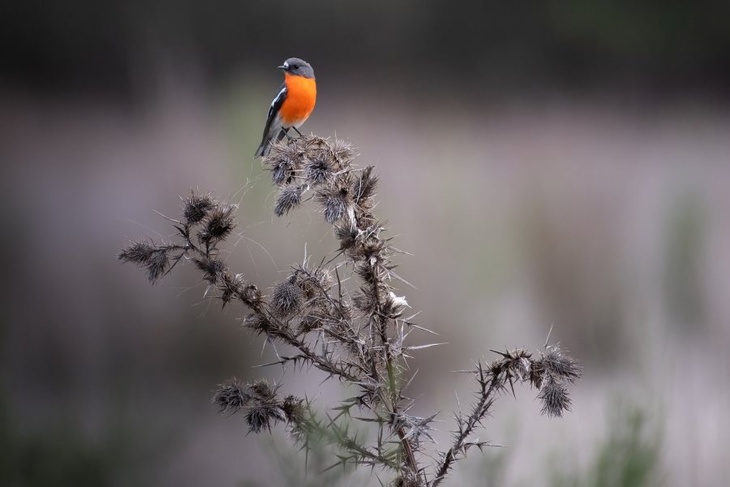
(281, 134)
(297, 131)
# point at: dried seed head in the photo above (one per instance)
(561, 365)
(155, 260)
(264, 408)
(342, 154)
(284, 161)
(196, 207)
(213, 269)
(319, 151)
(289, 197)
(231, 397)
(335, 205)
(286, 299)
(554, 397)
(251, 296)
(263, 390)
(262, 416)
(347, 235)
(293, 408)
(158, 264)
(363, 187)
(317, 171)
(217, 224)
(137, 252)
(370, 270)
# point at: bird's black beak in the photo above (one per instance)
(281, 67)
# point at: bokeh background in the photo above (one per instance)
(558, 163)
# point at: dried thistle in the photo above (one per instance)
(231, 397)
(352, 331)
(217, 224)
(212, 269)
(289, 197)
(154, 259)
(286, 299)
(196, 207)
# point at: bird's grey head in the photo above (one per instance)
(297, 66)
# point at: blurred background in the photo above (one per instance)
(563, 163)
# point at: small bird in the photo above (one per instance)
(292, 105)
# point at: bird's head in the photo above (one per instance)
(297, 67)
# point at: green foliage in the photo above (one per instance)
(684, 241)
(628, 457)
(62, 455)
(99, 44)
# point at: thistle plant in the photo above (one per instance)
(343, 317)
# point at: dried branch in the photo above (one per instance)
(355, 334)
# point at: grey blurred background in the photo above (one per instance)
(560, 163)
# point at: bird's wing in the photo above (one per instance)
(272, 124)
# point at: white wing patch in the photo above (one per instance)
(279, 97)
(275, 119)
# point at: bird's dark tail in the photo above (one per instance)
(265, 146)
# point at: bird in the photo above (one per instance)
(292, 105)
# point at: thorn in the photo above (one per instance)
(547, 340)
(503, 354)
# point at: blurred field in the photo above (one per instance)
(586, 190)
(608, 222)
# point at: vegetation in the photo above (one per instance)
(342, 316)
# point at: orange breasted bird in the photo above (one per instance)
(292, 105)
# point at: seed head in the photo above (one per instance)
(213, 269)
(155, 260)
(554, 397)
(137, 252)
(196, 207)
(284, 161)
(363, 187)
(317, 171)
(231, 397)
(286, 299)
(289, 197)
(217, 224)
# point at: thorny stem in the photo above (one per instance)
(479, 410)
(318, 361)
(358, 333)
(379, 330)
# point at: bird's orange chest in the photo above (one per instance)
(300, 99)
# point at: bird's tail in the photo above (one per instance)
(265, 146)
